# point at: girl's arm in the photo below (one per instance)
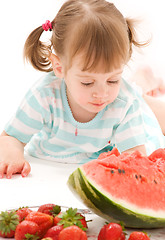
(158, 108)
(140, 148)
(12, 157)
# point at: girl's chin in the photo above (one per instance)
(96, 109)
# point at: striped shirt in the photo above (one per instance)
(44, 121)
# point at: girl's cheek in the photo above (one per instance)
(113, 94)
(83, 98)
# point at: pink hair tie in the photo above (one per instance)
(47, 25)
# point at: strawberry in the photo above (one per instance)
(57, 219)
(82, 220)
(44, 221)
(53, 232)
(71, 217)
(27, 230)
(50, 209)
(111, 231)
(72, 232)
(8, 223)
(23, 212)
(47, 238)
(122, 237)
(138, 236)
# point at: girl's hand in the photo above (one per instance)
(10, 168)
(140, 148)
(12, 159)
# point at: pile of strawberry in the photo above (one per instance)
(49, 223)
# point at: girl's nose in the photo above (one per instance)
(101, 92)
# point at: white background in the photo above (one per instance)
(18, 18)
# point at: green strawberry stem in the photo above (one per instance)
(56, 210)
(70, 218)
(8, 221)
(29, 236)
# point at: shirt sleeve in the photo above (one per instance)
(130, 132)
(29, 118)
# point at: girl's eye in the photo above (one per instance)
(113, 82)
(86, 84)
(91, 83)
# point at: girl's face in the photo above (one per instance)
(88, 93)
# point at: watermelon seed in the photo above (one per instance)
(136, 176)
(155, 181)
(112, 171)
(140, 176)
(119, 170)
(123, 171)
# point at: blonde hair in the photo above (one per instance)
(94, 28)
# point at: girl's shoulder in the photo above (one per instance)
(47, 85)
(48, 81)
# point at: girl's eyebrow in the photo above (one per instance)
(82, 76)
(88, 76)
(117, 73)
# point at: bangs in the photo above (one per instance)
(103, 44)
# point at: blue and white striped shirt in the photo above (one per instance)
(45, 121)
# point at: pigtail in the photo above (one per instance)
(37, 52)
(133, 35)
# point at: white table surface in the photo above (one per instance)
(47, 183)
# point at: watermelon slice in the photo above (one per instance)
(124, 187)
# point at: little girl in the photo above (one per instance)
(82, 107)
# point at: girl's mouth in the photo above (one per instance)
(98, 104)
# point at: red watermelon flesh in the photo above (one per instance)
(131, 178)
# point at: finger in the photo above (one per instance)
(162, 90)
(155, 92)
(10, 171)
(152, 93)
(3, 167)
(26, 169)
(149, 93)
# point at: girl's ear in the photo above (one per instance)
(56, 65)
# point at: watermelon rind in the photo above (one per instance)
(103, 206)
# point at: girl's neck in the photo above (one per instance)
(82, 116)
(79, 113)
